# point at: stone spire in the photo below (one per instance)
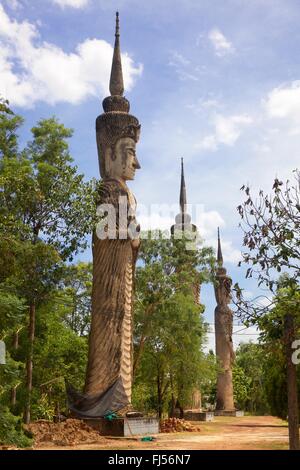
(116, 84)
(219, 256)
(182, 198)
(183, 219)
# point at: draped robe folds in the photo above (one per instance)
(109, 369)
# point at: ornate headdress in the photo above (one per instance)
(115, 122)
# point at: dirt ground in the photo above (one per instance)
(248, 433)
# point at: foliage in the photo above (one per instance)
(169, 329)
(208, 379)
(241, 385)
(11, 373)
(12, 311)
(46, 210)
(11, 431)
(249, 378)
(271, 226)
(271, 235)
(43, 195)
(272, 336)
(76, 296)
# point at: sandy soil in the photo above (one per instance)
(248, 433)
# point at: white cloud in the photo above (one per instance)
(183, 66)
(14, 4)
(31, 71)
(262, 148)
(220, 43)
(209, 142)
(154, 216)
(230, 253)
(178, 59)
(207, 222)
(71, 3)
(284, 101)
(209, 103)
(228, 128)
(227, 131)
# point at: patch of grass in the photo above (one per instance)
(267, 445)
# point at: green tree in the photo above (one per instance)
(60, 355)
(169, 328)
(271, 226)
(76, 296)
(241, 386)
(45, 206)
(11, 374)
(250, 361)
(9, 124)
(277, 354)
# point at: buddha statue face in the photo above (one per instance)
(223, 288)
(121, 163)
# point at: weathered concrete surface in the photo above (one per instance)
(223, 335)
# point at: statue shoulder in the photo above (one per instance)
(110, 190)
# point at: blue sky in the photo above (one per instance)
(214, 81)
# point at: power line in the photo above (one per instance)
(238, 334)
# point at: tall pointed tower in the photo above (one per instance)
(183, 219)
(223, 335)
(183, 226)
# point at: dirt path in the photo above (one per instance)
(249, 432)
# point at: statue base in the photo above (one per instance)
(196, 415)
(124, 427)
(229, 413)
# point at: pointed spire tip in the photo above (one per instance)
(116, 85)
(117, 24)
(182, 198)
(219, 255)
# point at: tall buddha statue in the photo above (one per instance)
(223, 333)
(109, 370)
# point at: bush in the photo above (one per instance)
(11, 430)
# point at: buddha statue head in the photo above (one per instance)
(223, 287)
(117, 131)
(120, 161)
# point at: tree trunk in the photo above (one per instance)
(173, 400)
(159, 393)
(141, 345)
(13, 392)
(29, 365)
(138, 354)
(13, 396)
(173, 403)
(293, 410)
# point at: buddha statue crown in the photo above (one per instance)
(115, 122)
(183, 219)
